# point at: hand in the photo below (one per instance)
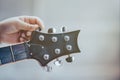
(19, 29)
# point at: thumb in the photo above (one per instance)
(27, 26)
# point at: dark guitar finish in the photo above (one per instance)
(14, 53)
(44, 47)
(47, 47)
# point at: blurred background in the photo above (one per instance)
(99, 22)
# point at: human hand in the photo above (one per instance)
(19, 29)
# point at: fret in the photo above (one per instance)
(14, 53)
(0, 62)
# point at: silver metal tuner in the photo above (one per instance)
(46, 56)
(54, 39)
(58, 62)
(70, 59)
(48, 68)
(41, 37)
(57, 51)
(66, 38)
(63, 29)
(69, 47)
(51, 30)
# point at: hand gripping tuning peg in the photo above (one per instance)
(69, 59)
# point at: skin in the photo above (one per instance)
(19, 29)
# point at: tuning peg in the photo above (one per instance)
(48, 68)
(58, 62)
(69, 59)
(63, 29)
(39, 29)
(51, 30)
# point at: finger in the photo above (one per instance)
(26, 26)
(33, 20)
(28, 33)
(23, 35)
(21, 39)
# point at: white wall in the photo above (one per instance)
(10, 8)
(98, 21)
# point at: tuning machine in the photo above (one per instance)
(51, 30)
(70, 59)
(68, 47)
(58, 62)
(48, 68)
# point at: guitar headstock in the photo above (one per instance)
(46, 47)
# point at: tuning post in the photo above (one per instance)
(57, 51)
(41, 37)
(46, 57)
(48, 68)
(51, 30)
(69, 47)
(69, 59)
(66, 38)
(54, 39)
(63, 29)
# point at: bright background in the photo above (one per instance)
(99, 22)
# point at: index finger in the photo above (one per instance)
(33, 20)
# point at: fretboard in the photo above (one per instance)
(14, 53)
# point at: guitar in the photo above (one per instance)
(44, 47)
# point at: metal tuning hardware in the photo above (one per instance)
(68, 47)
(69, 59)
(58, 62)
(63, 29)
(46, 56)
(48, 68)
(54, 39)
(41, 37)
(66, 38)
(57, 51)
(51, 30)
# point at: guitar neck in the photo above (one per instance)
(14, 53)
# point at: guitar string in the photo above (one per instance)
(12, 53)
